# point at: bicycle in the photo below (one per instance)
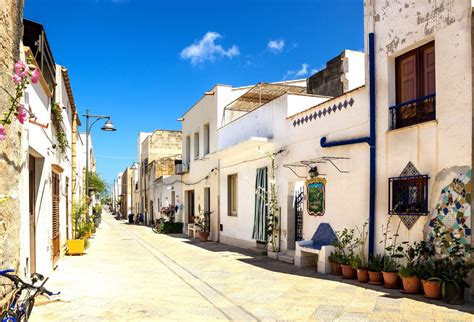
(20, 309)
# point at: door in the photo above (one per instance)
(55, 217)
(32, 202)
(299, 194)
(190, 206)
(207, 199)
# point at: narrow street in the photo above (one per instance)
(129, 272)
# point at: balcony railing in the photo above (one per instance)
(418, 110)
(182, 168)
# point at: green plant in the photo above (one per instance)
(78, 213)
(394, 251)
(96, 183)
(376, 263)
(203, 222)
(57, 120)
(345, 244)
(357, 262)
(166, 227)
(361, 245)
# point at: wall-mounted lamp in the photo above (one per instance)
(313, 172)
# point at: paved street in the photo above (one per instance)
(131, 273)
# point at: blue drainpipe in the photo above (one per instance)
(370, 140)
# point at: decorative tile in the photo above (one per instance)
(328, 110)
(323, 236)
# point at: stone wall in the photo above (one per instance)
(328, 81)
(11, 162)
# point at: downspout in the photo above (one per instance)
(370, 140)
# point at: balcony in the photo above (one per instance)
(182, 168)
(416, 111)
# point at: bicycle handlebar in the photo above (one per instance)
(17, 280)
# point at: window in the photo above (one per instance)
(206, 139)
(232, 197)
(196, 145)
(415, 87)
(188, 149)
(408, 195)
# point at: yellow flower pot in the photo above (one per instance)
(75, 247)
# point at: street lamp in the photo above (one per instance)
(108, 126)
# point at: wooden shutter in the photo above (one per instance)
(407, 78)
(429, 77)
(55, 230)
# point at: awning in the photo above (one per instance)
(261, 94)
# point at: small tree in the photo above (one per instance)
(96, 183)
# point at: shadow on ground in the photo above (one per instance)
(267, 263)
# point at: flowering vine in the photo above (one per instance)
(24, 73)
(57, 118)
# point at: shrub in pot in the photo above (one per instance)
(390, 272)
(411, 272)
(334, 259)
(375, 267)
(362, 272)
(430, 270)
(410, 280)
(345, 245)
(203, 222)
(346, 266)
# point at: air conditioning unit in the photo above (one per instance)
(182, 168)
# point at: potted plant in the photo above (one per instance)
(455, 265)
(76, 245)
(431, 277)
(359, 261)
(334, 259)
(203, 222)
(375, 267)
(392, 253)
(345, 244)
(412, 272)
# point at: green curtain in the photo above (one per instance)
(261, 209)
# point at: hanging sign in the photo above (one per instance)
(316, 189)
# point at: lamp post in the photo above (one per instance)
(133, 167)
(109, 127)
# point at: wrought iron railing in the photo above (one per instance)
(418, 110)
(408, 195)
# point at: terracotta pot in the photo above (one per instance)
(362, 275)
(375, 278)
(391, 280)
(336, 269)
(432, 289)
(453, 294)
(348, 272)
(411, 284)
(203, 236)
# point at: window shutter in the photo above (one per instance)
(407, 78)
(429, 77)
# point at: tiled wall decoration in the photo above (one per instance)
(322, 113)
(453, 210)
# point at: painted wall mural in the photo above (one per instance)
(316, 196)
(453, 210)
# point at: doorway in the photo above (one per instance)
(32, 213)
(55, 217)
(190, 206)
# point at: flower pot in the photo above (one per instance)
(75, 247)
(453, 293)
(375, 278)
(362, 275)
(348, 272)
(336, 269)
(391, 280)
(411, 284)
(432, 289)
(203, 236)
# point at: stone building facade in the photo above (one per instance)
(11, 31)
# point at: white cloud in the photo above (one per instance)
(302, 72)
(207, 49)
(276, 46)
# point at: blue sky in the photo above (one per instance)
(145, 62)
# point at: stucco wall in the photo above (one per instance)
(442, 148)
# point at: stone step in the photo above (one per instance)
(257, 251)
(287, 258)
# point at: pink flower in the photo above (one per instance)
(21, 69)
(3, 133)
(35, 75)
(22, 115)
(17, 79)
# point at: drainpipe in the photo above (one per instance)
(370, 140)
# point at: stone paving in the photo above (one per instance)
(131, 273)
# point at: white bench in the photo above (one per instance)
(308, 255)
(191, 230)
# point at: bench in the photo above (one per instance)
(315, 252)
(191, 230)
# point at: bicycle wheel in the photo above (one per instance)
(28, 308)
